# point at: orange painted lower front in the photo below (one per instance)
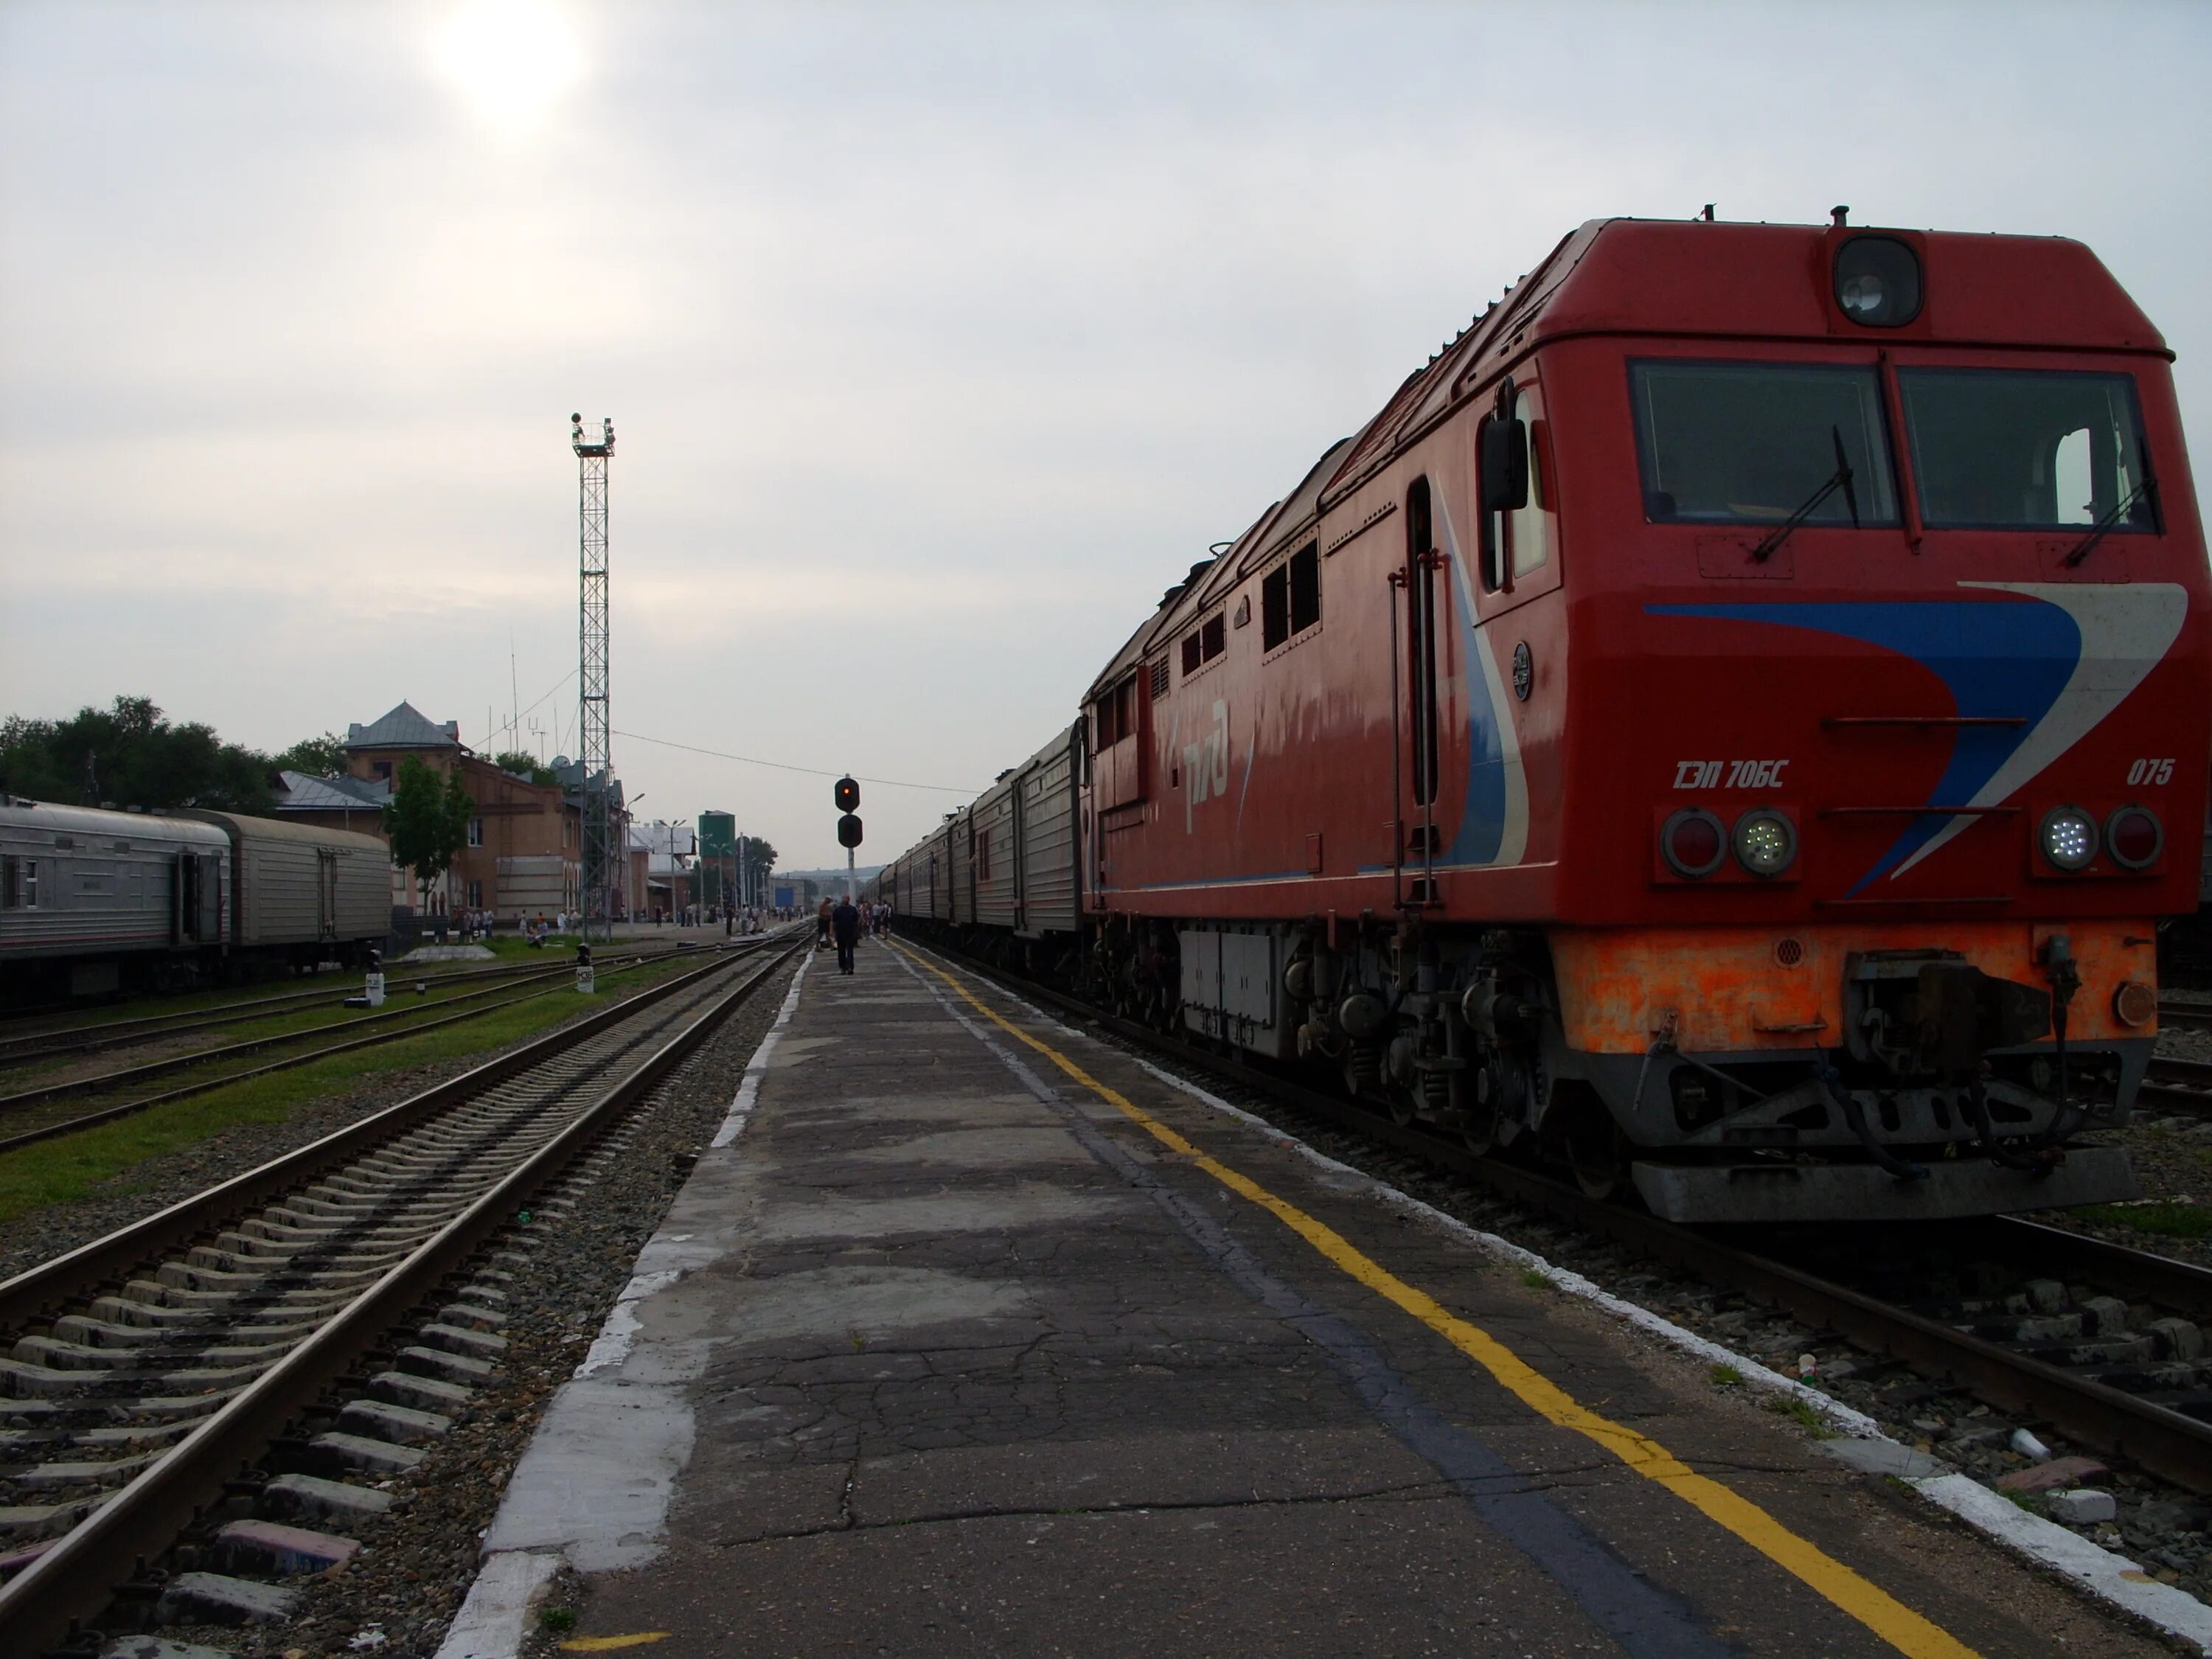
(1729, 989)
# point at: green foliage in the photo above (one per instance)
(427, 821)
(558, 1618)
(129, 755)
(318, 757)
(523, 764)
(1791, 1406)
(757, 853)
(2168, 1217)
(1535, 1279)
(1728, 1376)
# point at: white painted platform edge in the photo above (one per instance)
(2093, 1571)
(494, 1619)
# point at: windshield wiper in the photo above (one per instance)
(2147, 490)
(1841, 478)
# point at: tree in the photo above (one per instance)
(129, 755)
(523, 764)
(318, 757)
(427, 821)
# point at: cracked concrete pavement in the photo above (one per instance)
(942, 1355)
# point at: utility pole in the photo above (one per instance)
(594, 727)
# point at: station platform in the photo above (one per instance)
(972, 1335)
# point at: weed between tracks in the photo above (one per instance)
(62, 1171)
(2167, 1218)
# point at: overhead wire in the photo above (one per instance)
(809, 771)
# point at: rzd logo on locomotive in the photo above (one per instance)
(1205, 765)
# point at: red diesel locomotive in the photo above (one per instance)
(1732, 722)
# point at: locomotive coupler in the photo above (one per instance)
(1855, 1119)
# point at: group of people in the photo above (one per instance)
(843, 923)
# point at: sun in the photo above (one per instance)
(512, 60)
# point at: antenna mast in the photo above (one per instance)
(593, 726)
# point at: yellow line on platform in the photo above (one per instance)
(1907, 1630)
(609, 1643)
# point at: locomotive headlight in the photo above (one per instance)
(2135, 838)
(2069, 837)
(1692, 842)
(1878, 281)
(1764, 842)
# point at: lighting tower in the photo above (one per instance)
(601, 859)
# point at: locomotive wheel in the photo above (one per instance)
(1597, 1153)
(1401, 1107)
(1479, 1129)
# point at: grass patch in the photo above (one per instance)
(2169, 1218)
(558, 1618)
(1727, 1376)
(1536, 1279)
(64, 1171)
(1789, 1405)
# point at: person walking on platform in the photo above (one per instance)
(822, 925)
(845, 922)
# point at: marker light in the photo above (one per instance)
(1764, 842)
(2135, 838)
(1878, 281)
(2135, 1003)
(2069, 837)
(1693, 842)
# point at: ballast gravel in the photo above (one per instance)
(400, 1591)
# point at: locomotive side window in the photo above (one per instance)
(1290, 597)
(2027, 449)
(1749, 443)
(1305, 569)
(1517, 540)
(11, 884)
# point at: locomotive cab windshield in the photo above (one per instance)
(1748, 443)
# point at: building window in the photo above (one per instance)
(475, 833)
(476, 896)
(382, 769)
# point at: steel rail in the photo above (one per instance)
(128, 1033)
(80, 1573)
(2176, 1447)
(2188, 1015)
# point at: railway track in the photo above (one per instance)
(152, 1367)
(100, 1035)
(2178, 1085)
(26, 1124)
(2188, 1015)
(2099, 1341)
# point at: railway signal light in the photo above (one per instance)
(848, 794)
(849, 831)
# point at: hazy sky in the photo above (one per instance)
(938, 339)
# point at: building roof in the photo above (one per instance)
(303, 793)
(404, 727)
